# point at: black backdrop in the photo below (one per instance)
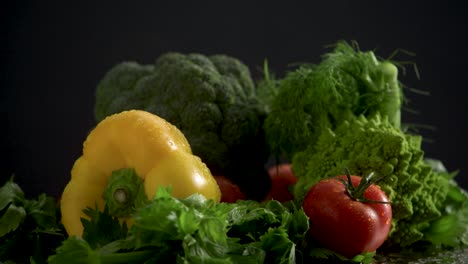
(53, 53)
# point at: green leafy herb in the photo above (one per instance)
(11, 219)
(102, 228)
(451, 228)
(29, 228)
(316, 97)
(75, 250)
(191, 230)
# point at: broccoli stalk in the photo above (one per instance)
(212, 100)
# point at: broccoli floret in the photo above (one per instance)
(211, 99)
(364, 145)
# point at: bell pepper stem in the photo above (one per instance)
(124, 192)
(120, 195)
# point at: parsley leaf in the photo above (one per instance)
(75, 250)
(11, 219)
(29, 228)
(101, 228)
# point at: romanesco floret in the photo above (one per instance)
(211, 99)
(365, 145)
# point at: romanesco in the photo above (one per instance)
(364, 145)
(345, 112)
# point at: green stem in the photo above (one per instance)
(383, 87)
(391, 90)
(127, 257)
(124, 192)
(357, 193)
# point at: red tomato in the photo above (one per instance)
(344, 225)
(282, 178)
(230, 192)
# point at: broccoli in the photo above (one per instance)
(374, 145)
(211, 99)
(347, 83)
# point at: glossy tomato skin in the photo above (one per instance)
(282, 178)
(230, 192)
(346, 226)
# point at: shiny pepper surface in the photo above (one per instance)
(157, 151)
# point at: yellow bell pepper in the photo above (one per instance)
(157, 152)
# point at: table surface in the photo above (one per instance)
(458, 256)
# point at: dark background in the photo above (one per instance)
(53, 53)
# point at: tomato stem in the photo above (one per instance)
(357, 193)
